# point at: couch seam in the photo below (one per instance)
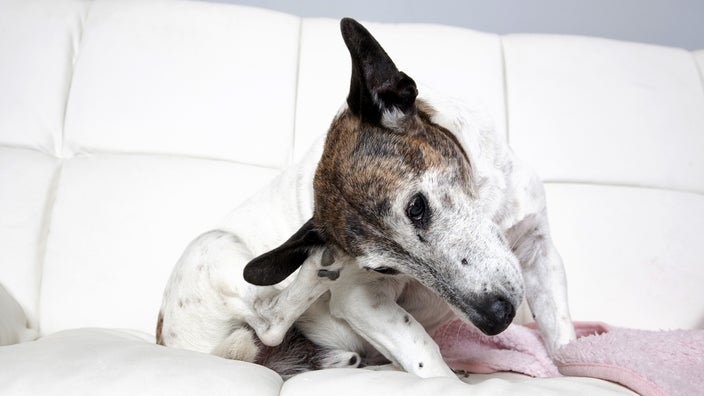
(47, 218)
(504, 81)
(48, 212)
(617, 184)
(86, 153)
(13, 146)
(292, 152)
(74, 62)
(699, 69)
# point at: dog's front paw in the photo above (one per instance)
(461, 373)
(554, 345)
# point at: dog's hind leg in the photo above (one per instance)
(275, 314)
(297, 354)
(544, 278)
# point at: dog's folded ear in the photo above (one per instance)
(377, 86)
(276, 265)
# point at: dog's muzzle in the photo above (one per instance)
(494, 314)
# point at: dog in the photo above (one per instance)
(421, 213)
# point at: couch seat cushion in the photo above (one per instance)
(354, 382)
(93, 361)
(107, 362)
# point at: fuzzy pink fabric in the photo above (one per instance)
(517, 349)
(656, 363)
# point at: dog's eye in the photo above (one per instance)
(417, 209)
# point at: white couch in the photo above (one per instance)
(127, 128)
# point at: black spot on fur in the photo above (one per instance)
(332, 275)
(465, 262)
(420, 365)
(406, 319)
(327, 259)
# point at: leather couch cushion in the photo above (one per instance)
(353, 382)
(26, 180)
(114, 362)
(38, 44)
(120, 223)
(189, 78)
(595, 110)
(633, 256)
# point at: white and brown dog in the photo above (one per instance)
(420, 213)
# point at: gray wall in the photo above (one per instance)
(678, 23)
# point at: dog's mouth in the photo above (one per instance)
(491, 311)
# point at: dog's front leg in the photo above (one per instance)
(274, 314)
(544, 277)
(374, 314)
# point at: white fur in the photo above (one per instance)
(206, 299)
(392, 118)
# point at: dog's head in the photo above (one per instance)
(395, 191)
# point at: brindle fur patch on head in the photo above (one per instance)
(363, 168)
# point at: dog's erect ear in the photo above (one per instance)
(274, 266)
(376, 85)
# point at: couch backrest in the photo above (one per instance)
(128, 128)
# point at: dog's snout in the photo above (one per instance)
(496, 314)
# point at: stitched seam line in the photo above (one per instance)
(295, 103)
(504, 80)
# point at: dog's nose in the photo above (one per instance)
(496, 314)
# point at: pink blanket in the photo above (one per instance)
(655, 363)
